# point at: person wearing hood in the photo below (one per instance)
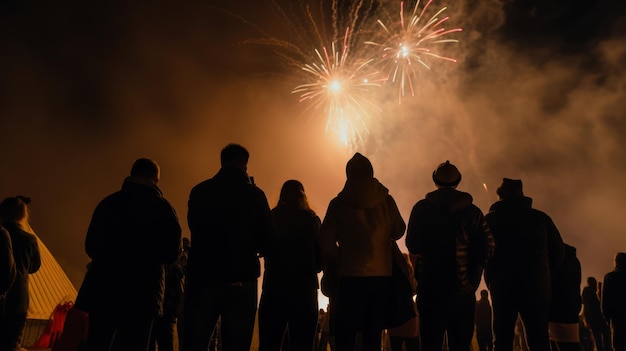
(356, 239)
(529, 251)
(451, 242)
(133, 233)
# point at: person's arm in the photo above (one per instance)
(398, 225)
(7, 272)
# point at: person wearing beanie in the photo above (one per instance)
(613, 302)
(356, 240)
(529, 251)
(452, 244)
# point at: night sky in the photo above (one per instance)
(538, 93)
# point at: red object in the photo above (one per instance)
(74, 332)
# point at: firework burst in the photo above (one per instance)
(340, 86)
(408, 45)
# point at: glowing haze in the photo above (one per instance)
(86, 89)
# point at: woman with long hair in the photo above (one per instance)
(288, 309)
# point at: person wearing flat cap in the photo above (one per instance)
(529, 250)
(356, 239)
(451, 243)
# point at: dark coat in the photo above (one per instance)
(230, 222)
(132, 234)
(27, 261)
(453, 243)
(613, 292)
(292, 258)
(7, 263)
(529, 248)
(566, 299)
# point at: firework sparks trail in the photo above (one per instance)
(406, 45)
(340, 87)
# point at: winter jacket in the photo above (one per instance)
(529, 248)
(613, 292)
(7, 264)
(292, 258)
(27, 261)
(132, 234)
(566, 299)
(230, 222)
(453, 243)
(358, 230)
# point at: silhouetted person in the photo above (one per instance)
(180, 323)
(484, 319)
(7, 266)
(528, 249)
(450, 237)
(288, 308)
(163, 331)
(14, 215)
(326, 339)
(133, 233)
(614, 301)
(406, 336)
(566, 303)
(593, 316)
(230, 221)
(361, 225)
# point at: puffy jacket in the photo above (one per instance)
(359, 228)
(132, 234)
(453, 243)
(230, 222)
(529, 248)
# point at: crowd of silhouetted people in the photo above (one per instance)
(148, 288)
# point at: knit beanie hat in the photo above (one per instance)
(359, 167)
(510, 188)
(447, 174)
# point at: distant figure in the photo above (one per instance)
(593, 316)
(326, 339)
(614, 301)
(230, 223)
(452, 242)
(288, 308)
(180, 323)
(528, 249)
(406, 336)
(7, 266)
(566, 304)
(15, 218)
(132, 234)
(361, 225)
(484, 319)
(163, 330)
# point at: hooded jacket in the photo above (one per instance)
(453, 243)
(360, 225)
